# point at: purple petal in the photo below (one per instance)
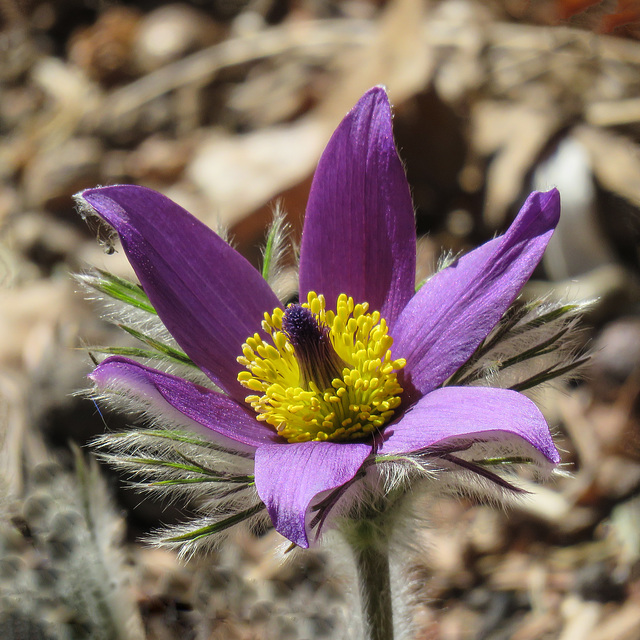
(359, 232)
(469, 412)
(289, 477)
(208, 296)
(448, 318)
(175, 399)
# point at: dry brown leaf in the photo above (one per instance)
(274, 159)
(515, 133)
(615, 160)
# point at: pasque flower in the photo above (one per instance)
(324, 393)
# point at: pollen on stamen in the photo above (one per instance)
(323, 374)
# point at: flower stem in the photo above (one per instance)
(372, 566)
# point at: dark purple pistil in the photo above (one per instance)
(316, 356)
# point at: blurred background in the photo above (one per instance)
(225, 106)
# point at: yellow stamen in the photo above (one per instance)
(325, 375)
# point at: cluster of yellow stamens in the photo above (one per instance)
(325, 375)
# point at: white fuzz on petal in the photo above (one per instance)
(106, 235)
(536, 344)
(147, 406)
(177, 465)
(147, 324)
(189, 543)
(277, 245)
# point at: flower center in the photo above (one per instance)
(324, 375)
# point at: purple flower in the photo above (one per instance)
(383, 373)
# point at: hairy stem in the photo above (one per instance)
(369, 534)
(372, 565)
